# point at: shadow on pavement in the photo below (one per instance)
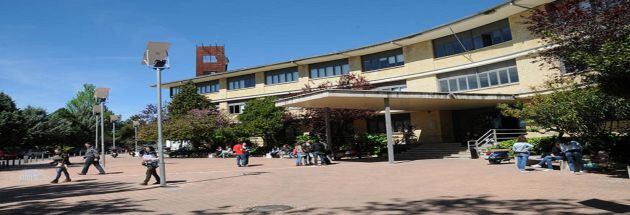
(59, 191)
(452, 205)
(111, 206)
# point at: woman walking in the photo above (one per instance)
(150, 160)
(521, 152)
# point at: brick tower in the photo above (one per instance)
(211, 59)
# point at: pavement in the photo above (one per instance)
(277, 186)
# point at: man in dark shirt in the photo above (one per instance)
(319, 151)
(554, 154)
(91, 158)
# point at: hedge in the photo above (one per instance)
(537, 142)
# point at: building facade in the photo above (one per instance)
(491, 53)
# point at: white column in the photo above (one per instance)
(388, 128)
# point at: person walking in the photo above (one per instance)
(299, 153)
(573, 151)
(308, 153)
(91, 158)
(61, 162)
(319, 153)
(553, 155)
(245, 149)
(238, 152)
(150, 160)
(521, 152)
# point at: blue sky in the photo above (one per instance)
(49, 49)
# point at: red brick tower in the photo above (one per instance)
(211, 59)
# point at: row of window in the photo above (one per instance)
(281, 76)
(481, 77)
(241, 82)
(487, 35)
(329, 69)
(202, 88)
(383, 60)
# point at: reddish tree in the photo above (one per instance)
(591, 37)
(341, 120)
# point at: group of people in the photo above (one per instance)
(92, 157)
(309, 154)
(571, 151)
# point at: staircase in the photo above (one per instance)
(434, 151)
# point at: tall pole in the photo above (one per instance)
(102, 134)
(159, 126)
(113, 136)
(135, 137)
(96, 131)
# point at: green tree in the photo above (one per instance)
(262, 118)
(11, 129)
(188, 99)
(35, 125)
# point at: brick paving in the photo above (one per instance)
(217, 186)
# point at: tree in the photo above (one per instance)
(35, 125)
(591, 38)
(262, 118)
(188, 99)
(581, 112)
(10, 122)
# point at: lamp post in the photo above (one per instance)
(113, 119)
(96, 111)
(100, 95)
(156, 57)
(136, 124)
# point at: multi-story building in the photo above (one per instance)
(445, 82)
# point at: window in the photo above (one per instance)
(481, 77)
(236, 108)
(241, 82)
(329, 69)
(209, 59)
(396, 88)
(487, 35)
(208, 87)
(383, 60)
(175, 91)
(400, 122)
(567, 68)
(281, 76)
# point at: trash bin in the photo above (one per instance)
(473, 153)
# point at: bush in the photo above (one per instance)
(373, 144)
(537, 142)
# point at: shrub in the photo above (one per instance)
(373, 144)
(537, 142)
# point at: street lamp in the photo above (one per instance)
(156, 57)
(96, 111)
(100, 95)
(113, 119)
(136, 124)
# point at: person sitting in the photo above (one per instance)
(554, 155)
(218, 151)
(226, 152)
(275, 151)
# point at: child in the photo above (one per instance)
(60, 161)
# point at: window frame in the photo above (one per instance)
(381, 60)
(241, 106)
(479, 74)
(321, 69)
(239, 79)
(473, 39)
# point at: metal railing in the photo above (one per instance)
(493, 136)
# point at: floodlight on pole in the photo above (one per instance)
(113, 119)
(156, 57)
(136, 124)
(100, 95)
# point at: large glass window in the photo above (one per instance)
(383, 60)
(400, 123)
(240, 82)
(236, 108)
(487, 35)
(329, 69)
(208, 87)
(281, 76)
(481, 77)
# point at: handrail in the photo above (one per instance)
(493, 136)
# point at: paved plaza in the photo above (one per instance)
(217, 186)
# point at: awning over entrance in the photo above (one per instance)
(412, 101)
(388, 100)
